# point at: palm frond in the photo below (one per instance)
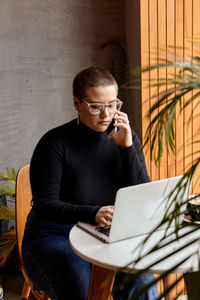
(174, 93)
(165, 241)
(7, 178)
(7, 213)
(6, 190)
(8, 239)
(12, 174)
(7, 244)
(161, 127)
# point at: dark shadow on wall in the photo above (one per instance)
(116, 35)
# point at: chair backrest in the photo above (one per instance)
(22, 205)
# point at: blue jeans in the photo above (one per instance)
(55, 269)
(1, 292)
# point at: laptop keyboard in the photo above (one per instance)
(103, 229)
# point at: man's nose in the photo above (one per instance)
(105, 111)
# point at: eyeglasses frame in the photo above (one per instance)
(98, 103)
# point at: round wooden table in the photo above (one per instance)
(106, 258)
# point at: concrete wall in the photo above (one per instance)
(43, 44)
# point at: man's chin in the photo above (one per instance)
(102, 128)
(99, 128)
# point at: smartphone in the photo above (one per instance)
(111, 130)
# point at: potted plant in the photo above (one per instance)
(176, 92)
(7, 193)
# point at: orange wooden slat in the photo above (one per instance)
(144, 13)
(153, 50)
(188, 129)
(196, 111)
(179, 117)
(162, 43)
(170, 51)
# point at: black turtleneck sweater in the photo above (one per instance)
(75, 170)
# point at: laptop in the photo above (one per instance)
(138, 210)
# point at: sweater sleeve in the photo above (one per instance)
(134, 166)
(46, 173)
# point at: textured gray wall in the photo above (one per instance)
(43, 44)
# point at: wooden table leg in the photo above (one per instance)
(101, 283)
(192, 281)
(167, 282)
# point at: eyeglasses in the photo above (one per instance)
(97, 108)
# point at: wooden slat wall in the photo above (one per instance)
(166, 23)
(196, 113)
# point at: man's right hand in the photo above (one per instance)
(104, 215)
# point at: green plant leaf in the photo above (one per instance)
(7, 244)
(6, 190)
(8, 239)
(12, 174)
(7, 213)
(6, 178)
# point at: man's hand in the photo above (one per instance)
(123, 137)
(104, 215)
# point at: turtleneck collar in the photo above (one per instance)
(88, 132)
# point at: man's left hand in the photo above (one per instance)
(123, 137)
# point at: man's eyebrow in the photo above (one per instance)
(104, 103)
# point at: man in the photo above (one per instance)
(75, 173)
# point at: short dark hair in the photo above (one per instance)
(91, 77)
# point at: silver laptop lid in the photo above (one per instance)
(140, 208)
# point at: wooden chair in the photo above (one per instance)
(23, 206)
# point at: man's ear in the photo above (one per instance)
(76, 104)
